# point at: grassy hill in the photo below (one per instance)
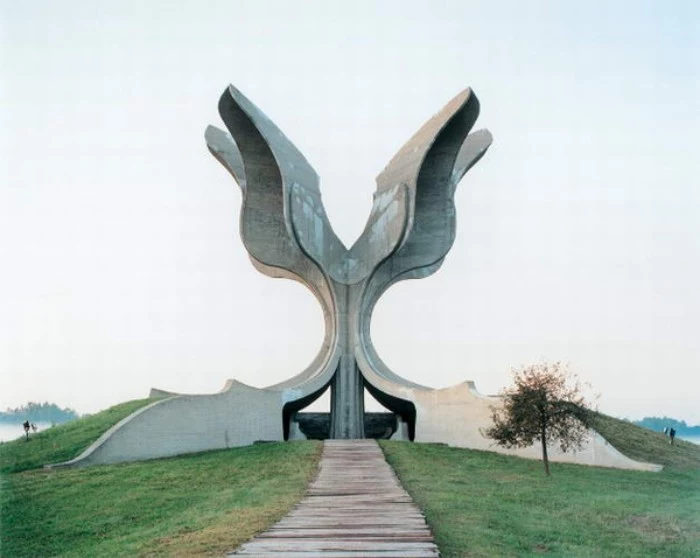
(478, 503)
(196, 505)
(63, 442)
(485, 504)
(202, 504)
(643, 444)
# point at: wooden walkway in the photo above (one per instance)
(355, 508)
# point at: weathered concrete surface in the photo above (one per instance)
(285, 229)
(410, 230)
(459, 414)
(237, 416)
(355, 507)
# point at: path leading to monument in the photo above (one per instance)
(356, 508)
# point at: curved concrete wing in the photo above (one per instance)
(222, 146)
(286, 232)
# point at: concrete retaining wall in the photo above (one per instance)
(188, 424)
(459, 414)
(241, 415)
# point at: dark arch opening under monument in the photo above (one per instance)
(398, 415)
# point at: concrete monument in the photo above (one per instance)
(285, 230)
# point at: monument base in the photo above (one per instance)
(240, 415)
(317, 426)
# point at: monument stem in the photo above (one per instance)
(347, 387)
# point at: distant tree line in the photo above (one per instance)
(38, 412)
(657, 424)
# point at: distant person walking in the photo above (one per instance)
(672, 434)
(25, 424)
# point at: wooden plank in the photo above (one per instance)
(292, 545)
(342, 554)
(355, 508)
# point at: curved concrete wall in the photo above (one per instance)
(188, 424)
(459, 414)
(241, 415)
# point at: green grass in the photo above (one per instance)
(62, 442)
(643, 444)
(203, 504)
(486, 504)
(478, 503)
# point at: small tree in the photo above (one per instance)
(545, 404)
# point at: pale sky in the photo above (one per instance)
(578, 232)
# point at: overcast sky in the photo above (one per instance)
(578, 233)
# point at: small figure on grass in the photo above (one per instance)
(543, 407)
(25, 424)
(672, 434)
